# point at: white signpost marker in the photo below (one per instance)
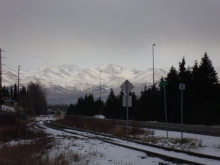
(182, 87)
(127, 87)
(124, 104)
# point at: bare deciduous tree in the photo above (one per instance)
(37, 98)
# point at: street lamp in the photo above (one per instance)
(153, 62)
(100, 84)
(100, 92)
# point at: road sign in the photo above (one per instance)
(182, 86)
(126, 87)
(164, 83)
(129, 101)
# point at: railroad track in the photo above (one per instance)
(112, 140)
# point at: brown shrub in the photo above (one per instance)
(102, 126)
(10, 130)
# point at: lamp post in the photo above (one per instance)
(18, 97)
(100, 93)
(153, 61)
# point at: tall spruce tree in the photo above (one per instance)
(145, 104)
(207, 71)
(110, 105)
(182, 70)
(193, 96)
(133, 110)
(208, 91)
(185, 77)
(173, 103)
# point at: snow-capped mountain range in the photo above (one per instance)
(65, 83)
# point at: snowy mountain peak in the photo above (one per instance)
(75, 81)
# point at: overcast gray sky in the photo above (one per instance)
(95, 32)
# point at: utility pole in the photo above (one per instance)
(1, 69)
(100, 93)
(153, 61)
(18, 104)
(18, 83)
(153, 89)
(1, 79)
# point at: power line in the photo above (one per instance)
(50, 58)
(59, 60)
(24, 61)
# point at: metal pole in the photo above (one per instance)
(18, 83)
(182, 114)
(100, 92)
(153, 61)
(127, 100)
(165, 109)
(153, 113)
(1, 69)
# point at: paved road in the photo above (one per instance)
(203, 130)
(197, 129)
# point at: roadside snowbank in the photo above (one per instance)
(99, 117)
(8, 109)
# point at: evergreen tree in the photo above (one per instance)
(182, 70)
(195, 70)
(160, 108)
(208, 92)
(11, 94)
(145, 105)
(71, 110)
(37, 98)
(134, 108)
(110, 106)
(207, 71)
(173, 103)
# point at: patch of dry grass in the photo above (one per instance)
(102, 126)
(10, 130)
(35, 153)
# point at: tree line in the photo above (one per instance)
(32, 98)
(201, 98)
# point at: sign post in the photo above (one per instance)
(127, 87)
(182, 87)
(164, 84)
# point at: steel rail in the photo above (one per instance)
(149, 153)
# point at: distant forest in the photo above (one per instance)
(201, 98)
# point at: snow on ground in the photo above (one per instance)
(7, 108)
(99, 117)
(93, 151)
(96, 152)
(82, 150)
(45, 117)
(173, 154)
(209, 145)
